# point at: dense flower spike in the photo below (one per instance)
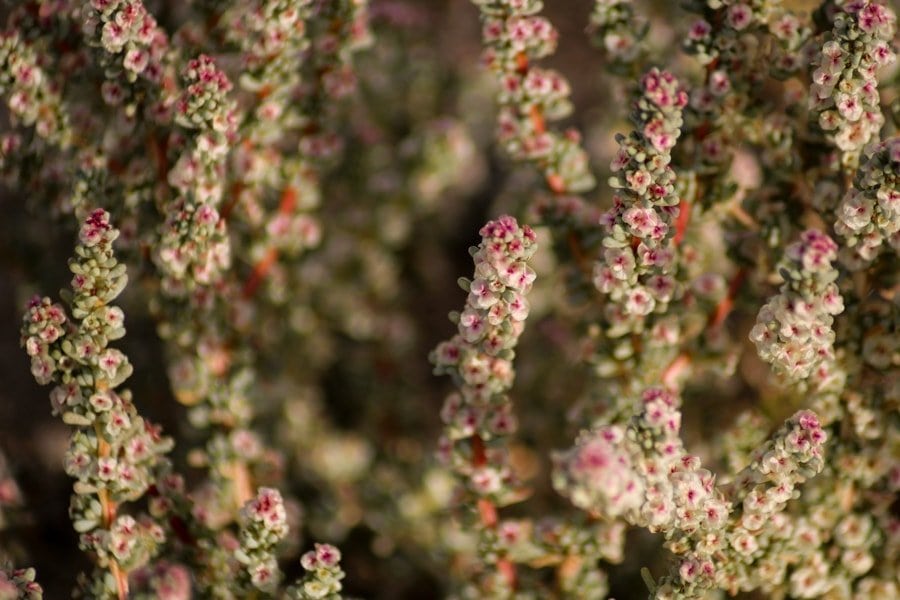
(757, 526)
(619, 30)
(844, 93)
(32, 97)
(529, 96)
(323, 575)
(793, 331)
(638, 267)
(869, 214)
(479, 358)
(193, 248)
(132, 40)
(114, 452)
(644, 474)
(263, 526)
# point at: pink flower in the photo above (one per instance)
(699, 30)
(136, 60)
(739, 16)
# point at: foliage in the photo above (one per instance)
(700, 357)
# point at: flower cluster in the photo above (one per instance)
(204, 104)
(132, 40)
(193, 246)
(869, 213)
(710, 43)
(114, 452)
(19, 584)
(263, 523)
(338, 30)
(163, 581)
(619, 31)
(755, 529)
(529, 96)
(643, 474)
(32, 96)
(718, 38)
(639, 257)
(480, 356)
(271, 37)
(793, 330)
(323, 575)
(844, 92)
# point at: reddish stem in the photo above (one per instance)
(108, 510)
(675, 368)
(265, 264)
(487, 512)
(556, 184)
(537, 119)
(681, 223)
(508, 569)
(159, 157)
(479, 456)
(716, 318)
(521, 63)
(723, 308)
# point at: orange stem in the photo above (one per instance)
(108, 509)
(521, 63)
(681, 223)
(260, 270)
(537, 119)
(556, 184)
(718, 316)
(264, 265)
(487, 511)
(675, 368)
(508, 569)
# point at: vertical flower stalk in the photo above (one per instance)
(337, 29)
(617, 28)
(638, 268)
(114, 452)
(479, 358)
(844, 92)
(793, 330)
(531, 96)
(193, 247)
(32, 97)
(868, 217)
(263, 523)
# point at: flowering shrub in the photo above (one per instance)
(682, 383)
